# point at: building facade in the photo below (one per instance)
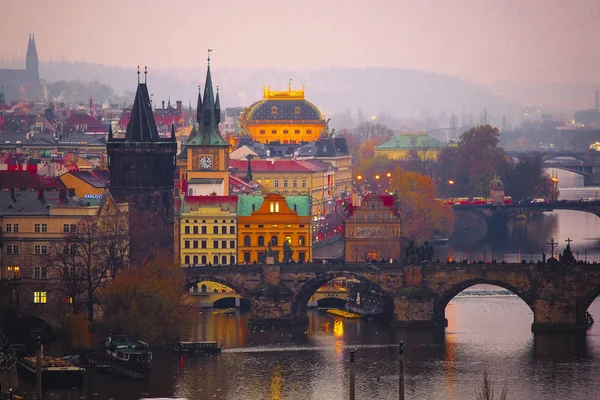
(267, 222)
(283, 116)
(142, 167)
(401, 146)
(208, 230)
(373, 231)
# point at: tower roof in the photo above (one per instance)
(142, 127)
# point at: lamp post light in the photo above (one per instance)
(451, 183)
(554, 180)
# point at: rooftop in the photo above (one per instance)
(27, 202)
(27, 180)
(302, 203)
(412, 141)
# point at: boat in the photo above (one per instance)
(197, 347)
(133, 353)
(366, 300)
(54, 369)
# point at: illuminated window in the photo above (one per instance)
(274, 226)
(288, 239)
(276, 206)
(13, 271)
(273, 110)
(301, 241)
(267, 182)
(39, 297)
(288, 226)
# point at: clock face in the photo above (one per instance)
(205, 162)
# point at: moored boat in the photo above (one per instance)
(197, 347)
(365, 300)
(54, 369)
(133, 353)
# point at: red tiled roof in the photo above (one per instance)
(27, 180)
(83, 119)
(276, 166)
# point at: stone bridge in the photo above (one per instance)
(558, 296)
(584, 156)
(586, 163)
(497, 216)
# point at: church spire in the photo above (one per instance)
(199, 106)
(142, 126)
(173, 138)
(217, 107)
(31, 59)
(110, 132)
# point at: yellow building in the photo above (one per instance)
(401, 146)
(284, 116)
(87, 184)
(208, 230)
(269, 221)
(33, 222)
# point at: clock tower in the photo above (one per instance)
(207, 152)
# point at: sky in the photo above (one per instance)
(484, 41)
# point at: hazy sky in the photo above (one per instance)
(481, 40)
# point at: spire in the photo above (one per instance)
(110, 133)
(217, 107)
(31, 59)
(142, 127)
(173, 138)
(199, 107)
(249, 173)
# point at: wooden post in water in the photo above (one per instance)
(401, 371)
(352, 383)
(38, 370)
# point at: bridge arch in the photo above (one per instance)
(441, 301)
(196, 279)
(305, 292)
(583, 304)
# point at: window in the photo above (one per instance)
(39, 297)
(261, 226)
(301, 257)
(274, 226)
(274, 241)
(232, 230)
(262, 131)
(204, 259)
(223, 230)
(195, 260)
(215, 244)
(37, 228)
(204, 244)
(195, 230)
(224, 260)
(186, 244)
(73, 228)
(285, 132)
(261, 256)
(301, 226)
(44, 228)
(204, 230)
(223, 244)
(297, 131)
(294, 183)
(274, 131)
(8, 228)
(232, 244)
(195, 244)
(232, 260)
(215, 230)
(273, 110)
(303, 183)
(285, 183)
(40, 249)
(276, 182)
(247, 241)
(187, 230)
(13, 271)
(297, 110)
(187, 259)
(308, 131)
(40, 272)
(274, 206)
(267, 182)
(261, 240)
(288, 239)
(215, 259)
(65, 228)
(12, 249)
(301, 241)
(247, 256)
(246, 226)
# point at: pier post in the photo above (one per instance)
(401, 372)
(38, 370)
(352, 376)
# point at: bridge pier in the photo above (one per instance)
(416, 312)
(557, 315)
(274, 310)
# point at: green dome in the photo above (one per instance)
(496, 184)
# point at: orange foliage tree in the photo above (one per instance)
(421, 214)
(146, 302)
(77, 328)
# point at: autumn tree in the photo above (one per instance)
(146, 302)
(421, 214)
(527, 178)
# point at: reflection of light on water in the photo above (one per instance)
(338, 328)
(450, 355)
(276, 383)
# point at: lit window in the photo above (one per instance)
(13, 271)
(272, 207)
(274, 226)
(288, 226)
(276, 206)
(288, 239)
(39, 297)
(301, 241)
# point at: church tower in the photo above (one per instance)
(207, 152)
(142, 166)
(31, 60)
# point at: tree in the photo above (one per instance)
(372, 130)
(527, 178)
(89, 256)
(146, 302)
(421, 214)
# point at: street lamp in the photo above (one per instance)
(377, 176)
(389, 174)
(554, 180)
(451, 183)
(359, 177)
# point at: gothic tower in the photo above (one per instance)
(142, 166)
(31, 60)
(207, 152)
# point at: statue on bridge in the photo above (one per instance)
(419, 253)
(287, 252)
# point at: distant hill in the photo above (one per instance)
(399, 92)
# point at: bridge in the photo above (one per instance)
(497, 216)
(586, 163)
(558, 295)
(583, 156)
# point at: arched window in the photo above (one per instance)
(261, 240)
(273, 110)
(204, 260)
(176, 191)
(246, 240)
(195, 259)
(301, 241)
(274, 241)
(232, 260)
(297, 110)
(203, 288)
(224, 260)
(187, 259)
(215, 259)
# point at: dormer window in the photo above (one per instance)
(274, 207)
(273, 110)
(297, 110)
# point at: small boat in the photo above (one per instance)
(54, 369)
(197, 347)
(365, 300)
(133, 353)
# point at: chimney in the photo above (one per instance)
(41, 194)
(71, 192)
(597, 100)
(63, 195)
(163, 104)
(12, 194)
(179, 102)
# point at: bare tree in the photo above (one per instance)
(372, 130)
